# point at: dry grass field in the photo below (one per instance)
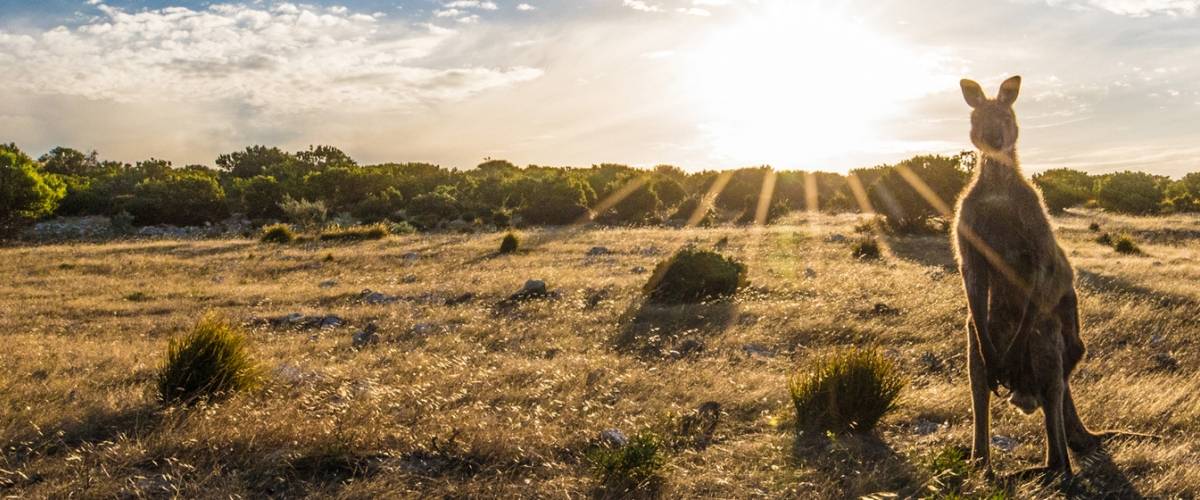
(465, 398)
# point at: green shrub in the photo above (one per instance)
(278, 233)
(1094, 227)
(1125, 244)
(866, 248)
(1130, 192)
(1104, 239)
(401, 227)
(950, 469)
(25, 192)
(182, 197)
(693, 275)
(1063, 188)
(847, 392)
(308, 214)
(510, 243)
(356, 233)
(209, 362)
(903, 206)
(635, 465)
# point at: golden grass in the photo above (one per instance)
(478, 401)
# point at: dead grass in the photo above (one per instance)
(471, 400)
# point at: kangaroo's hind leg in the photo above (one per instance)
(1079, 438)
(980, 400)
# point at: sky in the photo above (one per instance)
(1108, 85)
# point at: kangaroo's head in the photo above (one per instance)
(993, 122)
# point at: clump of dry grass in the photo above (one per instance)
(211, 361)
(865, 248)
(355, 233)
(847, 392)
(278, 233)
(510, 243)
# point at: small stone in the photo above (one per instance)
(931, 362)
(596, 251)
(758, 350)
(534, 288)
(423, 328)
(1165, 361)
(366, 337)
(411, 256)
(330, 321)
(1004, 443)
(639, 270)
(810, 273)
(411, 278)
(613, 438)
(836, 238)
(327, 284)
(1157, 339)
(882, 309)
(375, 298)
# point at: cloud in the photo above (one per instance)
(525, 7)
(1135, 8)
(641, 5)
(284, 59)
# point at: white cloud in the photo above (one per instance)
(472, 4)
(285, 59)
(641, 5)
(525, 7)
(1135, 8)
(694, 11)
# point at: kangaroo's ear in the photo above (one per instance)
(1009, 90)
(972, 92)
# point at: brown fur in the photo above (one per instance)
(1023, 323)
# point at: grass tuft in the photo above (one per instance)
(356, 233)
(636, 465)
(865, 248)
(693, 275)
(1125, 244)
(510, 243)
(278, 233)
(848, 392)
(209, 362)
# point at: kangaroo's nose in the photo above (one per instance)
(994, 138)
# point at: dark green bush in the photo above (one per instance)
(687, 210)
(950, 469)
(1105, 239)
(693, 275)
(1125, 244)
(25, 193)
(278, 233)
(865, 248)
(1094, 227)
(633, 466)
(1130, 192)
(903, 206)
(209, 362)
(510, 243)
(356, 233)
(847, 392)
(1063, 188)
(180, 197)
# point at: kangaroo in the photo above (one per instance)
(1023, 319)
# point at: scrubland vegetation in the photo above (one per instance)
(322, 185)
(433, 365)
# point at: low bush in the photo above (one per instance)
(510, 243)
(1104, 239)
(693, 275)
(278, 233)
(950, 469)
(1094, 227)
(866, 248)
(308, 214)
(209, 362)
(356, 233)
(1125, 244)
(632, 466)
(847, 392)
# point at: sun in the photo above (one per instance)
(793, 84)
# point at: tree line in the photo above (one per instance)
(267, 184)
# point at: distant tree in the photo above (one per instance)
(253, 161)
(1063, 188)
(67, 161)
(1130, 192)
(430, 210)
(322, 157)
(261, 196)
(182, 197)
(639, 206)
(552, 199)
(669, 191)
(25, 192)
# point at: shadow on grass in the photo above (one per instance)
(1121, 286)
(848, 458)
(1099, 477)
(927, 250)
(654, 330)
